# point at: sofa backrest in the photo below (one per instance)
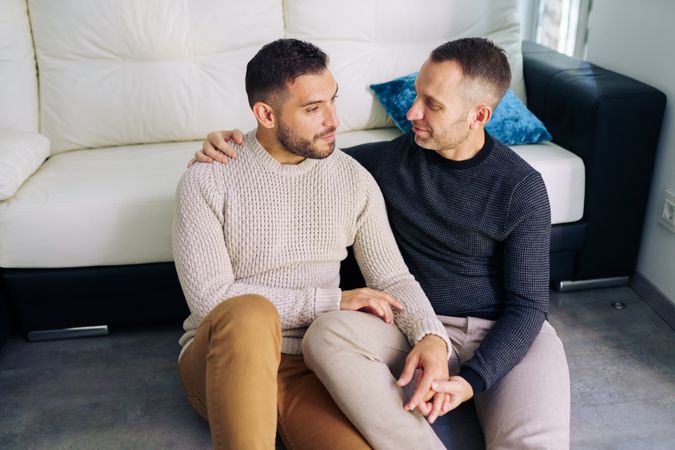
(372, 41)
(18, 84)
(115, 72)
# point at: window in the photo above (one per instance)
(559, 24)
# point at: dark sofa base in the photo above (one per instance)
(567, 240)
(7, 320)
(150, 293)
(60, 298)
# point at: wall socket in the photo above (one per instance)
(667, 218)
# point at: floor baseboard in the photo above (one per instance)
(653, 296)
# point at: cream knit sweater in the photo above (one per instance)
(255, 226)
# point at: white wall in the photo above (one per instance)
(636, 39)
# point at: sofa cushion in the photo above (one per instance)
(95, 208)
(21, 153)
(512, 123)
(564, 175)
(563, 171)
(114, 206)
(127, 72)
(386, 39)
(18, 82)
(396, 97)
(351, 138)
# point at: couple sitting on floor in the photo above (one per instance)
(457, 288)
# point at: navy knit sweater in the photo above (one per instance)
(476, 236)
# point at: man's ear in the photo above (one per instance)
(480, 116)
(265, 114)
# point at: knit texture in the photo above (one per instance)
(255, 226)
(476, 235)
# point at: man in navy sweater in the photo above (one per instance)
(472, 220)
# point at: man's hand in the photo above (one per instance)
(216, 147)
(458, 391)
(371, 301)
(430, 355)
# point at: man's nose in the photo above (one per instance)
(331, 119)
(415, 111)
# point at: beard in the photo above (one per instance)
(307, 148)
(450, 138)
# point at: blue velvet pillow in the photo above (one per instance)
(511, 122)
(397, 96)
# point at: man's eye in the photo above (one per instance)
(333, 99)
(313, 109)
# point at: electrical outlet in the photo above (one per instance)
(668, 212)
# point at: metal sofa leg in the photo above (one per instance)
(68, 333)
(568, 286)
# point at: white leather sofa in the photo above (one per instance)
(102, 103)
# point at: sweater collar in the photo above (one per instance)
(272, 164)
(478, 158)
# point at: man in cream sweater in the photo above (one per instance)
(258, 244)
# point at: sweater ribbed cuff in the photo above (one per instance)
(430, 326)
(327, 300)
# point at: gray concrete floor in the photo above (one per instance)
(123, 391)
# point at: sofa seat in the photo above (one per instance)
(108, 206)
(114, 206)
(563, 171)
(564, 175)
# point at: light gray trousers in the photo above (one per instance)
(358, 358)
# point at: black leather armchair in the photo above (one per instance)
(612, 122)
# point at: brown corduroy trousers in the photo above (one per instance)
(235, 376)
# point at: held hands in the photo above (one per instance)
(430, 356)
(216, 147)
(372, 301)
(457, 391)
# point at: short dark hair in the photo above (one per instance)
(481, 60)
(278, 63)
